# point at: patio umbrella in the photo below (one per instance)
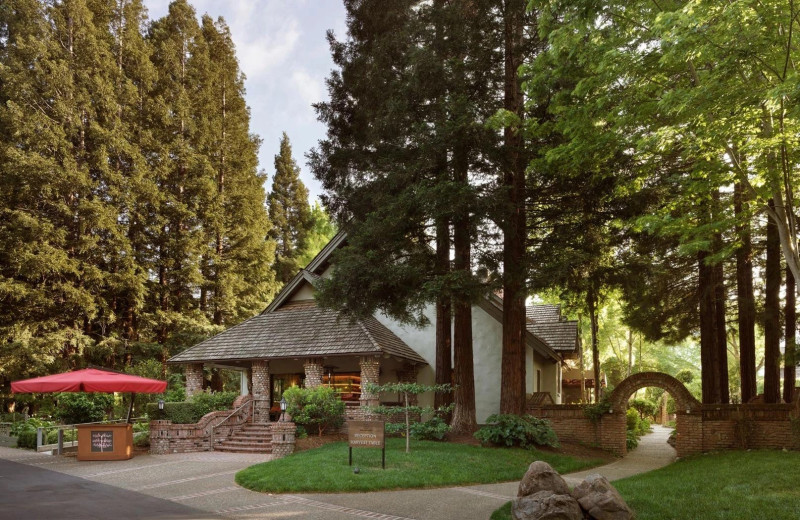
(90, 380)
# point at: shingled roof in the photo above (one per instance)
(296, 332)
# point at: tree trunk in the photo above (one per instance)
(745, 300)
(789, 360)
(464, 420)
(772, 332)
(720, 335)
(591, 303)
(705, 287)
(512, 383)
(444, 316)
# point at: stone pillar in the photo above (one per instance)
(282, 439)
(314, 370)
(261, 391)
(370, 373)
(194, 378)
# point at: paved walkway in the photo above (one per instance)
(204, 482)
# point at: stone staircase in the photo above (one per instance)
(251, 438)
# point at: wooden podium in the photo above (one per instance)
(105, 441)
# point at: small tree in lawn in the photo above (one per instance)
(319, 407)
(406, 390)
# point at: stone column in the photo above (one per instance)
(282, 439)
(314, 370)
(194, 378)
(261, 391)
(370, 373)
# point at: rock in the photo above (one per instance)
(598, 498)
(542, 477)
(545, 505)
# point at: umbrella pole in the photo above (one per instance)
(130, 408)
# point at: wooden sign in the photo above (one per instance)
(367, 434)
(102, 441)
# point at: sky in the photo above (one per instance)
(283, 53)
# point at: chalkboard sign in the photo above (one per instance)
(102, 441)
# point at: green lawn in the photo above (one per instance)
(430, 464)
(736, 485)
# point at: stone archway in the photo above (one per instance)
(688, 420)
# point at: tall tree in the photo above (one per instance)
(772, 315)
(745, 299)
(289, 212)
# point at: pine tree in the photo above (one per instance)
(290, 214)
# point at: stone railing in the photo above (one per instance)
(212, 428)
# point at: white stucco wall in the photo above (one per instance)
(487, 334)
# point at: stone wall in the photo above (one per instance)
(370, 373)
(711, 427)
(166, 437)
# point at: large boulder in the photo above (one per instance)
(598, 498)
(545, 505)
(542, 477)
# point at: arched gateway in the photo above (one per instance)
(614, 423)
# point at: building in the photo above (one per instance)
(294, 342)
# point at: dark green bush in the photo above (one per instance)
(77, 407)
(513, 430)
(318, 407)
(594, 412)
(631, 439)
(52, 436)
(29, 426)
(27, 439)
(434, 429)
(189, 412)
(141, 439)
(645, 407)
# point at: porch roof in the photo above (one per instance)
(299, 331)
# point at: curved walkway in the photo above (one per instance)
(204, 482)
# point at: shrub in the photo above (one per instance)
(206, 402)
(191, 411)
(594, 412)
(513, 430)
(645, 407)
(27, 439)
(434, 429)
(52, 436)
(318, 407)
(76, 407)
(141, 439)
(632, 420)
(29, 426)
(631, 439)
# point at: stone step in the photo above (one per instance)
(242, 449)
(252, 435)
(238, 442)
(236, 438)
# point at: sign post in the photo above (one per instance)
(367, 434)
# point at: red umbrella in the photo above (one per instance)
(90, 380)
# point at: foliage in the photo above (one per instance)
(132, 213)
(290, 214)
(594, 412)
(206, 402)
(513, 430)
(191, 411)
(645, 407)
(410, 412)
(318, 407)
(52, 436)
(685, 376)
(141, 439)
(631, 439)
(434, 429)
(30, 425)
(79, 407)
(431, 464)
(27, 439)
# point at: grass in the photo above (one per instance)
(735, 485)
(430, 464)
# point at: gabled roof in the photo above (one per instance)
(543, 313)
(299, 331)
(290, 288)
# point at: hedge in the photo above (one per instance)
(27, 440)
(189, 412)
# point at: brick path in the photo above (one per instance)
(204, 481)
